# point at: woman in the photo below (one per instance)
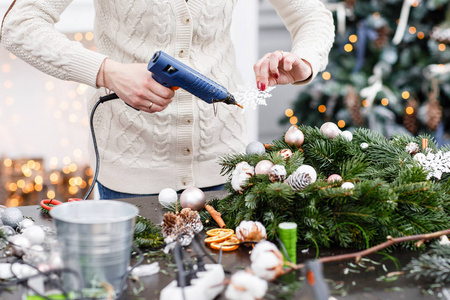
(173, 140)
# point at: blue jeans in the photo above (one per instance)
(108, 194)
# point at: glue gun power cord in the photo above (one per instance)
(94, 140)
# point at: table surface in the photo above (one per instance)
(345, 279)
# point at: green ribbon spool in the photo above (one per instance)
(287, 231)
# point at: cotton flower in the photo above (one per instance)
(240, 175)
(267, 260)
(246, 286)
(251, 231)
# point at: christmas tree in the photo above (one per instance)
(389, 70)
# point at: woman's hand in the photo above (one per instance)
(280, 68)
(134, 84)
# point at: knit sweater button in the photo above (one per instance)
(186, 21)
(186, 151)
(182, 53)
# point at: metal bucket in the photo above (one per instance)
(96, 237)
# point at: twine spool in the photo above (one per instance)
(287, 231)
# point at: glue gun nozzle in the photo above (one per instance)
(239, 105)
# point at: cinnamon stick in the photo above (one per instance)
(216, 216)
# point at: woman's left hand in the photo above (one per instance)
(280, 68)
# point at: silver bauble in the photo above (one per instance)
(330, 130)
(7, 231)
(35, 234)
(294, 137)
(11, 216)
(167, 197)
(193, 198)
(18, 243)
(255, 148)
(308, 170)
(263, 167)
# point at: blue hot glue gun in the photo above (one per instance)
(173, 74)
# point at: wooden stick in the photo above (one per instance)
(216, 216)
(390, 241)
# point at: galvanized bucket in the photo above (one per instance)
(96, 237)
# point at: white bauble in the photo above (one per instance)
(308, 170)
(364, 146)
(35, 234)
(25, 223)
(333, 178)
(347, 135)
(330, 130)
(5, 271)
(347, 186)
(18, 243)
(167, 197)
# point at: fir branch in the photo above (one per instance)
(147, 234)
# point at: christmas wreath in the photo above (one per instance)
(342, 189)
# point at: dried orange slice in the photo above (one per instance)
(219, 238)
(227, 245)
(217, 231)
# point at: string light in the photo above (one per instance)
(289, 112)
(51, 195)
(353, 38)
(6, 68)
(89, 36)
(7, 162)
(293, 120)
(442, 47)
(412, 30)
(415, 3)
(384, 101)
(420, 35)
(409, 110)
(78, 37)
(348, 47)
(326, 75)
(49, 86)
(376, 15)
(341, 123)
(322, 108)
(405, 95)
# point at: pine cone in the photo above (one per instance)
(441, 35)
(277, 173)
(434, 113)
(350, 3)
(383, 36)
(191, 220)
(298, 181)
(169, 224)
(353, 104)
(410, 120)
(412, 148)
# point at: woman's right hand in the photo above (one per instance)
(134, 84)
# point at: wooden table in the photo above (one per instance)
(346, 280)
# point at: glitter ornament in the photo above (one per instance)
(193, 198)
(285, 153)
(18, 243)
(294, 137)
(364, 146)
(255, 148)
(334, 178)
(347, 135)
(330, 130)
(11, 216)
(347, 186)
(277, 173)
(263, 167)
(251, 231)
(308, 170)
(167, 197)
(35, 234)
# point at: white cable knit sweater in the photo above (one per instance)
(179, 147)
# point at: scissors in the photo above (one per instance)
(46, 202)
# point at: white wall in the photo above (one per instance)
(45, 117)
